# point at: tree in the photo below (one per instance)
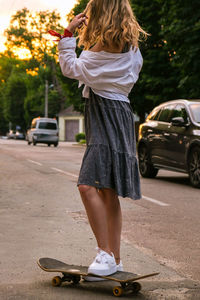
(22, 92)
(74, 94)
(34, 101)
(3, 121)
(27, 30)
(15, 92)
(78, 8)
(180, 26)
(170, 69)
(7, 66)
(157, 81)
(26, 77)
(158, 78)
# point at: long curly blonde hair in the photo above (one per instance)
(112, 23)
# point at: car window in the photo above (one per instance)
(47, 125)
(153, 115)
(156, 115)
(179, 111)
(165, 114)
(195, 110)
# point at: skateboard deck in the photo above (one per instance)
(74, 273)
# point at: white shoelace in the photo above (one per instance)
(101, 257)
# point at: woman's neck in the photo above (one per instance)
(98, 47)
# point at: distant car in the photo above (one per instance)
(43, 130)
(19, 135)
(170, 139)
(11, 134)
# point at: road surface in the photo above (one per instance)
(41, 214)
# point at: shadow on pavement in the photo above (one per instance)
(174, 179)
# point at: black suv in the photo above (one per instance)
(170, 139)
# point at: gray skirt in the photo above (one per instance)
(110, 157)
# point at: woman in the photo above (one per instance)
(108, 67)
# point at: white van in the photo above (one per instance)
(43, 130)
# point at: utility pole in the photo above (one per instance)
(46, 99)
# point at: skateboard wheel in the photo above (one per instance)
(136, 287)
(57, 281)
(117, 291)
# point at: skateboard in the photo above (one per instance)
(73, 273)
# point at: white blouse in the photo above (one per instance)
(110, 75)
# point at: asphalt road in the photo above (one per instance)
(41, 214)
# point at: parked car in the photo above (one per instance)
(19, 135)
(43, 130)
(11, 134)
(170, 139)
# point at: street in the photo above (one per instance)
(41, 214)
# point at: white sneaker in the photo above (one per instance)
(104, 265)
(120, 267)
(90, 278)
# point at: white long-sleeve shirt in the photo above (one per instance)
(110, 75)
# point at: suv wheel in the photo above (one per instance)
(146, 168)
(34, 142)
(56, 144)
(194, 166)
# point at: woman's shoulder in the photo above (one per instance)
(98, 52)
(137, 52)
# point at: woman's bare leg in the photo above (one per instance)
(105, 218)
(114, 220)
(97, 215)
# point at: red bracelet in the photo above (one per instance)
(67, 33)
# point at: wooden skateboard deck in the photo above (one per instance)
(74, 273)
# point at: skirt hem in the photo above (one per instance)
(108, 187)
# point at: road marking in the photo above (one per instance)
(66, 173)
(155, 201)
(34, 162)
(76, 176)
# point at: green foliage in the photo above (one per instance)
(22, 82)
(10, 72)
(15, 93)
(82, 142)
(72, 92)
(171, 52)
(170, 70)
(29, 30)
(22, 95)
(78, 8)
(80, 136)
(181, 26)
(158, 79)
(3, 121)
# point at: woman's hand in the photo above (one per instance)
(77, 22)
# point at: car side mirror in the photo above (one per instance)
(178, 121)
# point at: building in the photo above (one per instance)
(70, 123)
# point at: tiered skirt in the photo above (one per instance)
(110, 157)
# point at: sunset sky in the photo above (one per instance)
(9, 7)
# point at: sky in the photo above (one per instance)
(9, 7)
